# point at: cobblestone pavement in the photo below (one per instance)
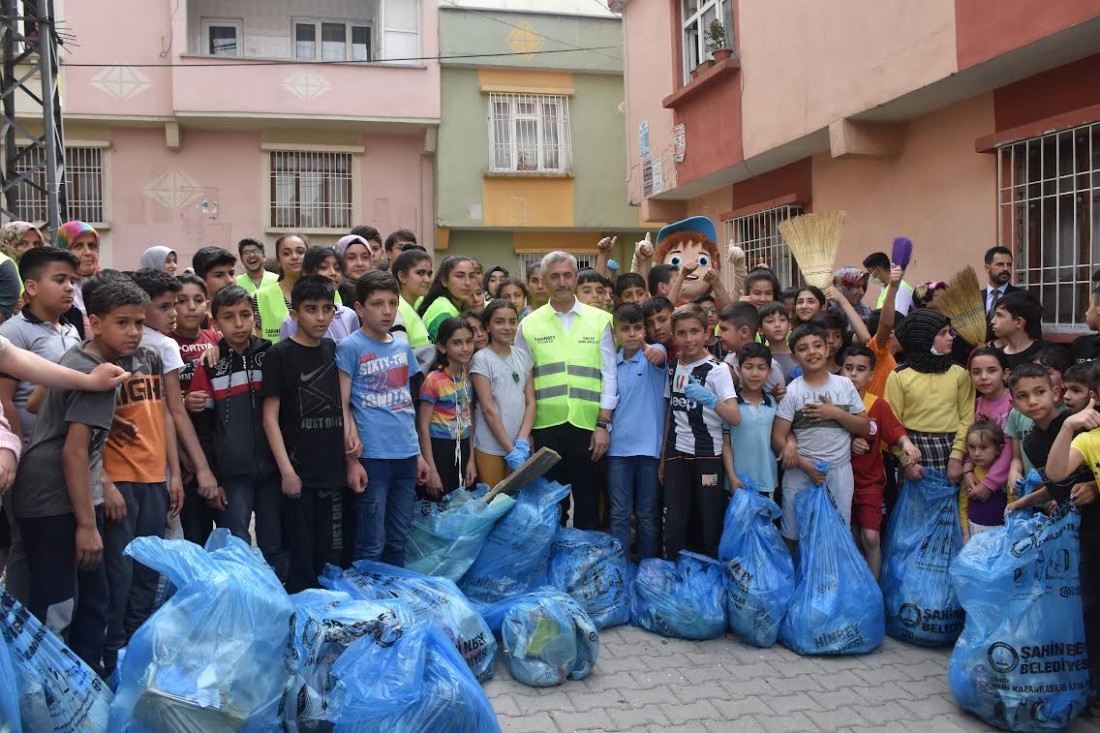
(643, 682)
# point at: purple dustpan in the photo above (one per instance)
(903, 250)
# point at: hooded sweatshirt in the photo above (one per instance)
(234, 411)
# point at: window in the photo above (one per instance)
(758, 234)
(697, 15)
(1049, 206)
(311, 190)
(529, 133)
(84, 179)
(222, 37)
(331, 40)
(529, 261)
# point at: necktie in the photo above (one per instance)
(994, 294)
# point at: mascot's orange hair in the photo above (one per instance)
(676, 240)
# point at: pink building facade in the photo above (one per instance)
(211, 120)
(959, 123)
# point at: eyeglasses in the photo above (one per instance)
(251, 251)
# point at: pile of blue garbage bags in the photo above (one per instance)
(379, 647)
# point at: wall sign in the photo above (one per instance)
(679, 141)
(643, 139)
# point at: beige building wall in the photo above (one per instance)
(807, 63)
(937, 191)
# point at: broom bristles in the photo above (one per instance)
(813, 240)
(962, 302)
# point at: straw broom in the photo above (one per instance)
(962, 302)
(813, 240)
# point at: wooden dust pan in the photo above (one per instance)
(813, 240)
(542, 461)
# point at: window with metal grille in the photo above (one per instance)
(1049, 206)
(311, 190)
(83, 178)
(697, 16)
(528, 261)
(529, 133)
(758, 234)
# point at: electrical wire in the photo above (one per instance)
(298, 62)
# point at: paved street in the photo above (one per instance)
(646, 683)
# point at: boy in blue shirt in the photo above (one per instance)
(752, 439)
(380, 422)
(635, 450)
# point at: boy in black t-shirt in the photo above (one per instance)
(304, 423)
(1087, 348)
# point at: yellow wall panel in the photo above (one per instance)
(512, 80)
(528, 202)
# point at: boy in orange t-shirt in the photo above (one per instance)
(137, 496)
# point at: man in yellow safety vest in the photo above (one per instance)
(573, 356)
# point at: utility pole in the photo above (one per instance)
(32, 179)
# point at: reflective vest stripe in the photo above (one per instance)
(585, 394)
(558, 390)
(583, 371)
(547, 369)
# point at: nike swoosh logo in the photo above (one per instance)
(309, 377)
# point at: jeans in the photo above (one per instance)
(263, 495)
(133, 587)
(69, 601)
(634, 489)
(384, 509)
(313, 525)
(576, 469)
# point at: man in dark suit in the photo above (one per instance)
(998, 270)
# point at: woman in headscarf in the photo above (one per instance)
(852, 283)
(355, 260)
(16, 237)
(932, 396)
(82, 240)
(159, 258)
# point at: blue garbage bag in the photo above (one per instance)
(517, 548)
(922, 538)
(1030, 483)
(759, 572)
(684, 600)
(591, 567)
(1021, 661)
(445, 537)
(217, 654)
(56, 690)
(427, 596)
(451, 700)
(546, 636)
(355, 660)
(9, 694)
(836, 606)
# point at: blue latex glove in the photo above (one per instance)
(520, 453)
(700, 394)
(525, 446)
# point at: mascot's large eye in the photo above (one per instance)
(675, 260)
(704, 261)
